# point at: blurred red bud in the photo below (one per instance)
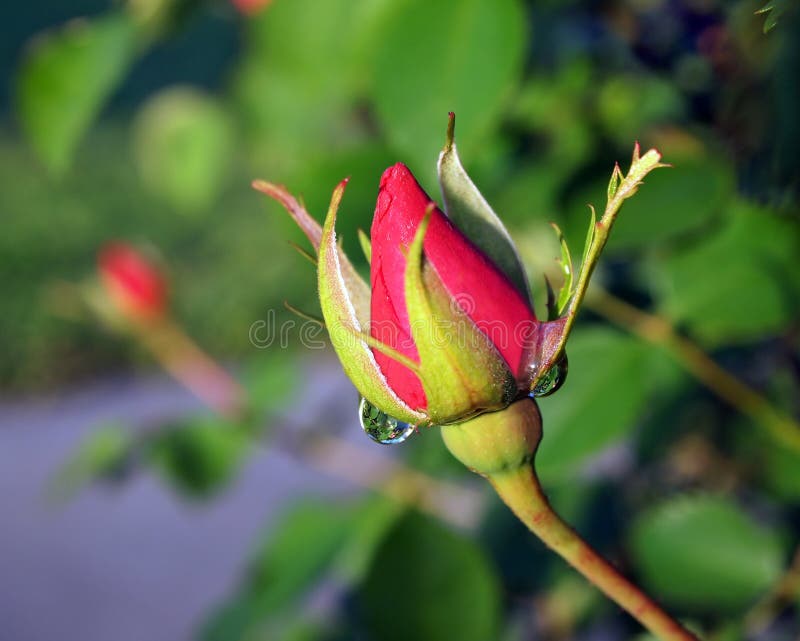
(133, 283)
(250, 7)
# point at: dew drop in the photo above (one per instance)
(381, 427)
(552, 379)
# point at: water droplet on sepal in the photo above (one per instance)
(381, 427)
(552, 379)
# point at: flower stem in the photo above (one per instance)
(501, 446)
(520, 490)
(185, 361)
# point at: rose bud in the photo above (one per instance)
(447, 329)
(466, 294)
(446, 334)
(133, 283)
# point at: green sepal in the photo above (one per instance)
(311, 259)
(461, 371)
(366, 245)
(304, 315)
(344, 296)
(358, 289)
(375, 344)
(474, 217)
(310, 227)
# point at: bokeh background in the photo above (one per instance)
(131, 508)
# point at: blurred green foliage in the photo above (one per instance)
(703, 552)
(290, 561)
(590, 417)
(67, 77)
(184, 146)
(456, 592)
(737, 286)
(773, 11)
(147, 120)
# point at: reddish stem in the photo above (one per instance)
(520, 490)
(501, 446)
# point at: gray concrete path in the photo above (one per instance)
(135, 563)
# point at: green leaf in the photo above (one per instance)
(435, 57)
(66, 77)
(290, 560)
(298, 78)
(773, 10)
(104, 455)
(613, 184)
(376, 515)
(200, 458)
(184, 142)
(738, 284)
(703, 553)
(551, 303)
(467, 208)
(293, 555)
(590, 232)
(604, 393)
(427, 583)
(567, 270)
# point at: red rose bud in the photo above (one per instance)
(133, 283)
(446, 330)
(473, 283)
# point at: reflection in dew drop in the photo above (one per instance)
(552, 379)
(381, 427)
